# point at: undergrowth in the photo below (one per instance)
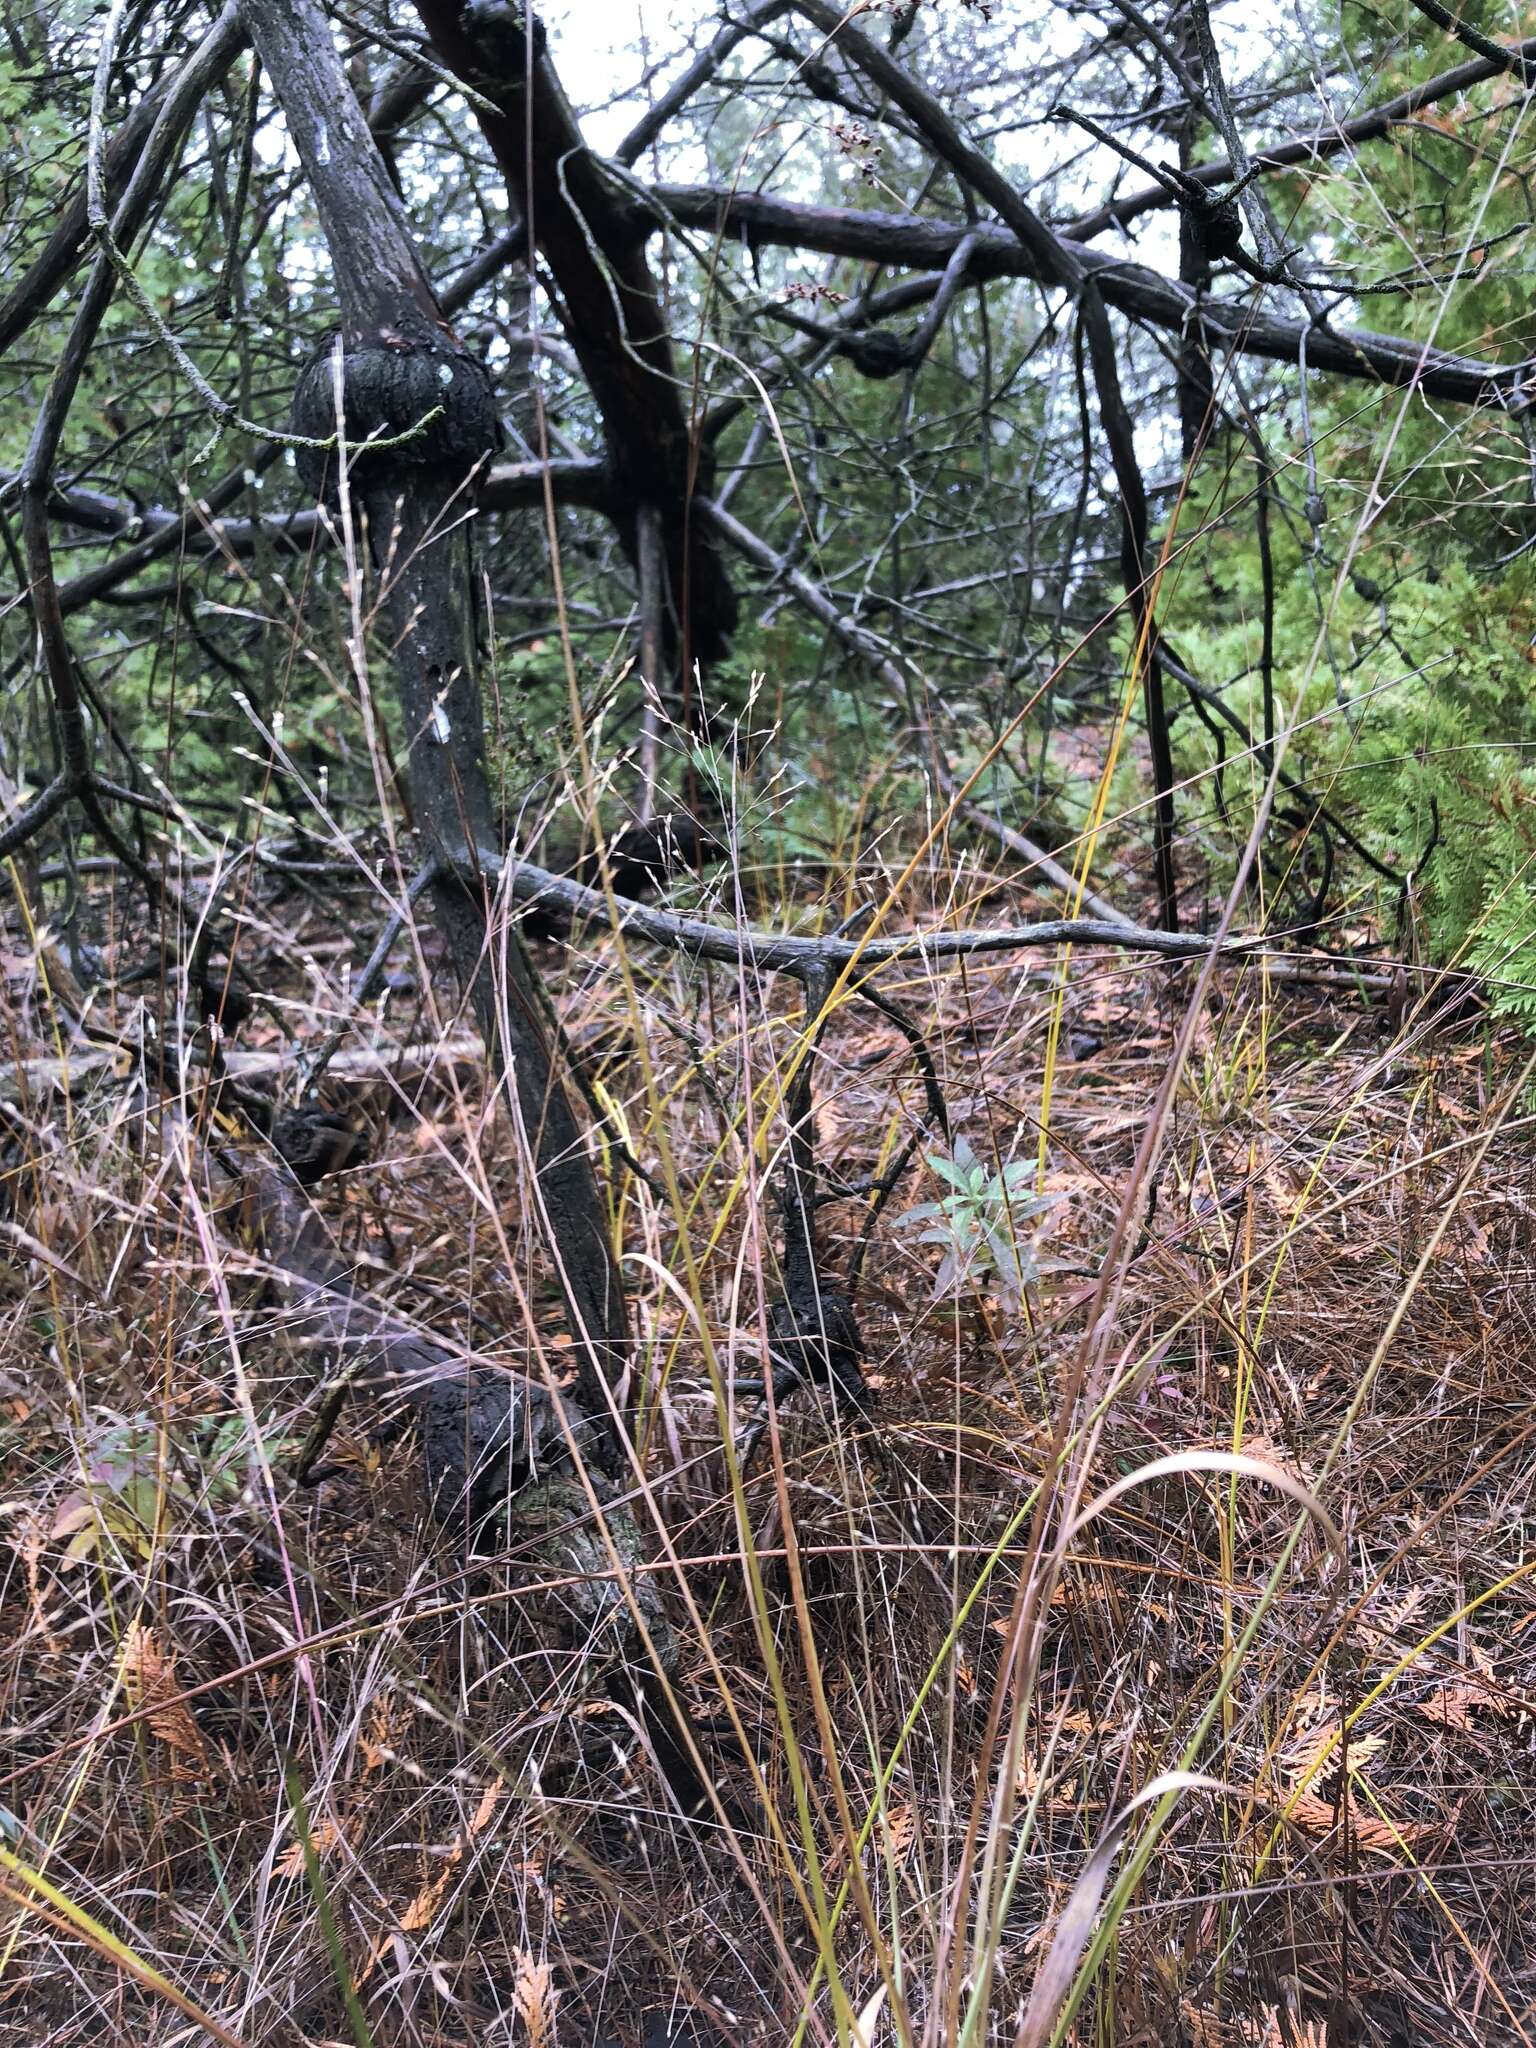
(289, 1764)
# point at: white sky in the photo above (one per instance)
(604, 50)
(597, 51)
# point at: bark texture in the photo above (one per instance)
(397, 370)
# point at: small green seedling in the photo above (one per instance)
(981, 1223)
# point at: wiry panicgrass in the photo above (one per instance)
(1037, 1704)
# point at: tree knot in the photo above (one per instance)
(410, 404)
(506, 41)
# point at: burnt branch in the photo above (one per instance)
(1131, 288)
(584, 220)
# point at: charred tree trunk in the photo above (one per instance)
(1137, 568)
(397, 374)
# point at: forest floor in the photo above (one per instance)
(287, 1765)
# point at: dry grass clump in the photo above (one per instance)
(295, 1765)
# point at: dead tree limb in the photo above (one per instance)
(57, 260)
(919, 243)
(771, 952)
(1297, 151)
(76, 778)
(1136, 573)
(1520, 62)
(697, 75)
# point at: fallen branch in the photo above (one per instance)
(770, 952)
(25, 1078)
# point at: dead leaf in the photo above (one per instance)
(534, 1998)
(323, 1839)
(901, 1829)
(1322, 1817)
(1469, 1703)
(422, 1910)
(149, 1679)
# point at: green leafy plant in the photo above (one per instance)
(126, 1481)
(980, 1224)
(119, 1498)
